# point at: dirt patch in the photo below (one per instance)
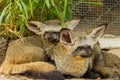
(115, 51)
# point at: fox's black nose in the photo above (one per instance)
(89, 50)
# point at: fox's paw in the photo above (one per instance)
(103, 71)
(17, 71)
(91, 74)
(52, 75)
(6, 69)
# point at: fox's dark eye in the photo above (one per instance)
(51, 36)
(55, 32)
(84, 48)
(80, 48)
(46, 32)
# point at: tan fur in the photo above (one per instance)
(22, 56)
(74, 64)
(29, 54)
(67, 64)
(98, 59)
(99, 64)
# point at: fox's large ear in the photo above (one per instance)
(35, 26)
(99, 31)
(72, 24)
(67, 36)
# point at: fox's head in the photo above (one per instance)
(50, 29)
(81, 44)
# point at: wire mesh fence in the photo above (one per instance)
(95, 14)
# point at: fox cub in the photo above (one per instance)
(29, 54)
(75, 53)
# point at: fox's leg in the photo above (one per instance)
(9, 68)
(29, 60)
(101, 67)
(36, 70)
(32, 66)
(21, 56)
(24, 54)
(104, 71)
(6, 68)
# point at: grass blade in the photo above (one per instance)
(31, 8)
(25, 9)
(4, 12)
(19, 5)
(47, 2)
(65, 6)
(7, 18)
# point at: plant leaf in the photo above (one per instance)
(19, 5)
(25, 9)
(47, 2)
(4, 12)
(31, 8)
(52, 2)
(7, 18)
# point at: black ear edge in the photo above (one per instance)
(105, 24)
(32, 27)
(31, 24)
(36, 23)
